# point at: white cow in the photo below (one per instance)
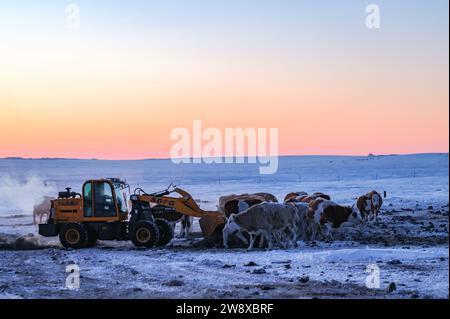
(41, 209)
(265, 219)
(302, 219)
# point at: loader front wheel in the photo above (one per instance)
(165, 231)
(73, 235)
(144, 234)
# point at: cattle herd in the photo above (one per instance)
(299, 217)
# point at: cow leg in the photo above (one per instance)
(185, 227)
(319, 232)
(188, 228)
(182, 233)
(269, 239)
(294, 234)
(278, 236)
(252, 241)
(322, 232)
(275, 235)
(301, 233)
(261, 242)
(313, 231)
(267, 234)
(288, 237)
(292, 240)
(225, 237)
(241, 236)
(186, 232)
(308, 231)
(328, 232)
(365, 218)
(281, 238)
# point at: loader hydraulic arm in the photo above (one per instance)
(185, 205)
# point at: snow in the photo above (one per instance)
(409, 244)
(422, 177)
(203, 273)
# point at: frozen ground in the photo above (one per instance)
(408, 250)
(409, 244)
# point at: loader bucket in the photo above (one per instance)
(211, 223)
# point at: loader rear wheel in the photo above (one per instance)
(166, 232)
(73, 235)
(144, 234)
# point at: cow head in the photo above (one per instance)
(231, 224)
(242, 206)
(230, 228)
(354, 216)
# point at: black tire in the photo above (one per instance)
(166, 232)
(170, 215)
(92, 237)
(144, 234)
(73, 235)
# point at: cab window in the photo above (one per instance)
(87, 199)
(121, 198)
(103, 200)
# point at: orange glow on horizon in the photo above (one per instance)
(118, 94)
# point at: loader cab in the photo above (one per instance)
(105, 199)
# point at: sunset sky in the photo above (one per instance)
(135, 70)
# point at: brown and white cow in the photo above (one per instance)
(265, 219)
(369, 205)
(321, 195)
(41, 209)
(229, 204)
(267, 197)
(293, 196)
(304, 197)
(323, 213)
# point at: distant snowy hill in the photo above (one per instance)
(421, 177)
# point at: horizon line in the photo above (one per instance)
(223, 157)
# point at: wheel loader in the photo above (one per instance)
(101, 211)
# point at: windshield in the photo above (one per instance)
(122, 199)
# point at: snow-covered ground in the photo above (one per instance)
(409, 245)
